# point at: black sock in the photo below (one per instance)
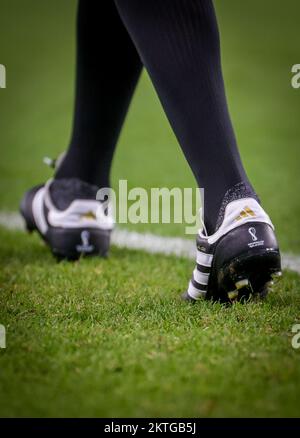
(178, 42)
(108, 68)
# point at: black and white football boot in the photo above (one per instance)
(68, 217)
(240, 259)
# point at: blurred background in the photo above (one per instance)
(260, 43)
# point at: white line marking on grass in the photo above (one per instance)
(148, 242)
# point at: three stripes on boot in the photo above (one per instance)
(198, 284)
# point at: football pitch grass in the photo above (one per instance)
(111, 337)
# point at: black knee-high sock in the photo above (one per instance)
(178, 42)
(108, 68)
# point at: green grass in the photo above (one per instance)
(111, 338)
